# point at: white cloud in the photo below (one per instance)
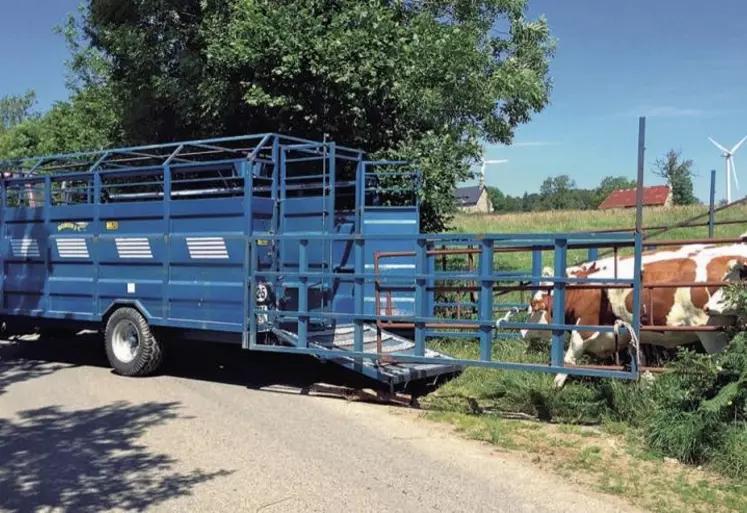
(534, 143)
(665, 111)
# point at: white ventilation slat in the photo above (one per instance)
(207, 247)
(133, 247)
(26, 247)
(72, 248)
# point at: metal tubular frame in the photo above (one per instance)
(423, 323)
(250, 153)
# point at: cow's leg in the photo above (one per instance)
(576, 349)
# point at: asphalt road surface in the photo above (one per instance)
(223, 430)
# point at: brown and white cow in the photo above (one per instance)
(683, 306)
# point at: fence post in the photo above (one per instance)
(536, 267)
(639, 184)
(421, 297)
(712, 206)
(485, 266)
(558, 301)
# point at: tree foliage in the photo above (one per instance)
(87, 120)
(15, 109)
(559, 193)
(678, 174)
(427, 81)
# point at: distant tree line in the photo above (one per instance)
(560, 192)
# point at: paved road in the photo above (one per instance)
(222, 430)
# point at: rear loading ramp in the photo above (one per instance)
(342, 338)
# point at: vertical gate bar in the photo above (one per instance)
(712, 206)
(247, 172)
(282, 244)
(166, 264)
(360, 195)
(421, 297)
(246, 307)
(359, 263)
(486, 298)
(637, 298)
(303, 293)
(330, 228)
(558, 300)
(278, 152)
(47, 204)
(253, 260)
(332, 184)
(359, 303)
(637, 260)
(593, 254)
(95, 250)
(431, 260)
(536, 267)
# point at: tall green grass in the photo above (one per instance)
(587, 220)
(696, 413)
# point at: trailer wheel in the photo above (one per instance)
(131, 347)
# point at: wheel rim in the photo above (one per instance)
(125, 341)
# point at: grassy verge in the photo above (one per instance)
(677, 444)
(601, 459)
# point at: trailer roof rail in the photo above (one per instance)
(243, 147)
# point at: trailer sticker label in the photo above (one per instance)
(130, 288)
(72, 226)
(112, 225)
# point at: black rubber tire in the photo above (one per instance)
(150, 351)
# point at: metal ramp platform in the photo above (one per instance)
(390, 372)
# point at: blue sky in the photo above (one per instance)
(681, 63)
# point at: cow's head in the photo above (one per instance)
(719, 304)
(540, 312)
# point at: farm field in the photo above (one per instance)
(641, 442)
(588, 220)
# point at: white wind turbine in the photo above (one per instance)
(730, 169)
(484, 165)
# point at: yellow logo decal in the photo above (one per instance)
(76, 227)
(112, 225)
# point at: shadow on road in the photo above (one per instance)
(213, 362)
(16, 366)
(89, 460)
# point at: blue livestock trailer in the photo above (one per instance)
(268, 241)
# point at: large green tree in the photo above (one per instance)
(427, 81)
(88, 120)
(15, 109)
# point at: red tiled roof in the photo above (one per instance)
(655, 195)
